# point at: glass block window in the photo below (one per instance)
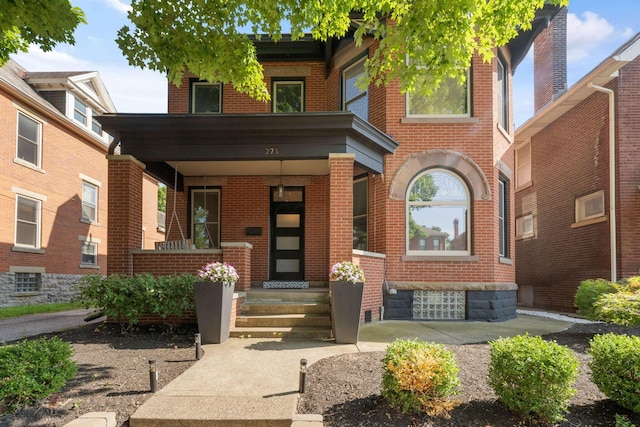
(439, 305)
(27, 282)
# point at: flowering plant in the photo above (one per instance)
(219, 272)
(346, 271)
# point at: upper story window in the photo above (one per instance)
(503, 94)
(288, 96)
(524, 227)
(523, 164)
(29, 145)
(438, 214)
(89, 202)
(28, 221)
(354, 98)
(96, 127)
(450, 99)
(206, 98)
(205, 218)
(360, 213)
(80, 111)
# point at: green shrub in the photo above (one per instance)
(615, 368)
(420, 377)
(621, 308)
(533, 377)
(128, 298)
(32, 370)
(622, 421)
(589, 292)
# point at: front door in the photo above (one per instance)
(287, 234)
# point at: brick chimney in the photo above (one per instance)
(550, 61)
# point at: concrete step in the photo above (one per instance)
(259, 295)
(254, 308)
(281, 332)
(283, 320)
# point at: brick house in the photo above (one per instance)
(577, 195)
(330, 172)
(53, 183)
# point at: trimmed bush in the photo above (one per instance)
(128, 298)
(621, 308)
(420, 377)
(533, 377)
(32, 370)
(589, 292)
(615, 368)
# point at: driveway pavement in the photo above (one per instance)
(17, 328)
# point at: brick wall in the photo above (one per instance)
(550, 61)
(373, 267)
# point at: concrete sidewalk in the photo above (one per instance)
(255, 381)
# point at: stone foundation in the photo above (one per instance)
(53, 288)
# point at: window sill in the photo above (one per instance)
(526, 236)
(524, 186)
(438, 120)
(89, 266)
(88, 221)
(504, 260)
(25, 294)
(589, 222)
(505, 133)
(440, 258)
(27, 250)
(28, 165)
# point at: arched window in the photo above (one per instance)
(438, 214)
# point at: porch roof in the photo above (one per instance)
(159, 140)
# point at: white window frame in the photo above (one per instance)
(523, 169)
(581, 203)
(194, 85)
(467, 203)
(275, 85)
(85, 114)
(95, 188)
(96, 127)
(440, 115)
(94, 245)
(525, 227)
(347, 73)
(38, 143)
(38, 222)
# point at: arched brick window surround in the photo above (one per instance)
(453, 160)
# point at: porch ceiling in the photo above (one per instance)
(257, 140)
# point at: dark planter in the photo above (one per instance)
(346, 302)
(213, 309)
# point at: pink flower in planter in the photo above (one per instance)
(346, 271)
(219, 272)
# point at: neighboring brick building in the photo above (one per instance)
(417, 191)
(564, 215)
(53, 183)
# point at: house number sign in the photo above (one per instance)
(272, 151)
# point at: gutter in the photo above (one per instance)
(612, 177)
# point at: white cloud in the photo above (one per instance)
(55, 60)
(119, 5)
(586, 34)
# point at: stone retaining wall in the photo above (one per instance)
(53, 288)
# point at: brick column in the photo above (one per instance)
(239, 256)
(125, 212)
(340, 207)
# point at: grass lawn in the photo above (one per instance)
(23, 310)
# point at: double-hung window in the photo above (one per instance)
(503, 95)
(288, 96)
(450, 99)
(523, 164)
(590, 206)
(29, 145)
(96, 127)
(503, 217)
(206, 98)
(354, 98)
(524, 226)
(28, 220)
(437, 214)
(80, 111)
(89, 254)
(89, 202)
(360, 213)
(205, 218)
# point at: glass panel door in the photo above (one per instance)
(287, 235)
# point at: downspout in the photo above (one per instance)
(612, 177)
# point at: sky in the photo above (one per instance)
(596, 28)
